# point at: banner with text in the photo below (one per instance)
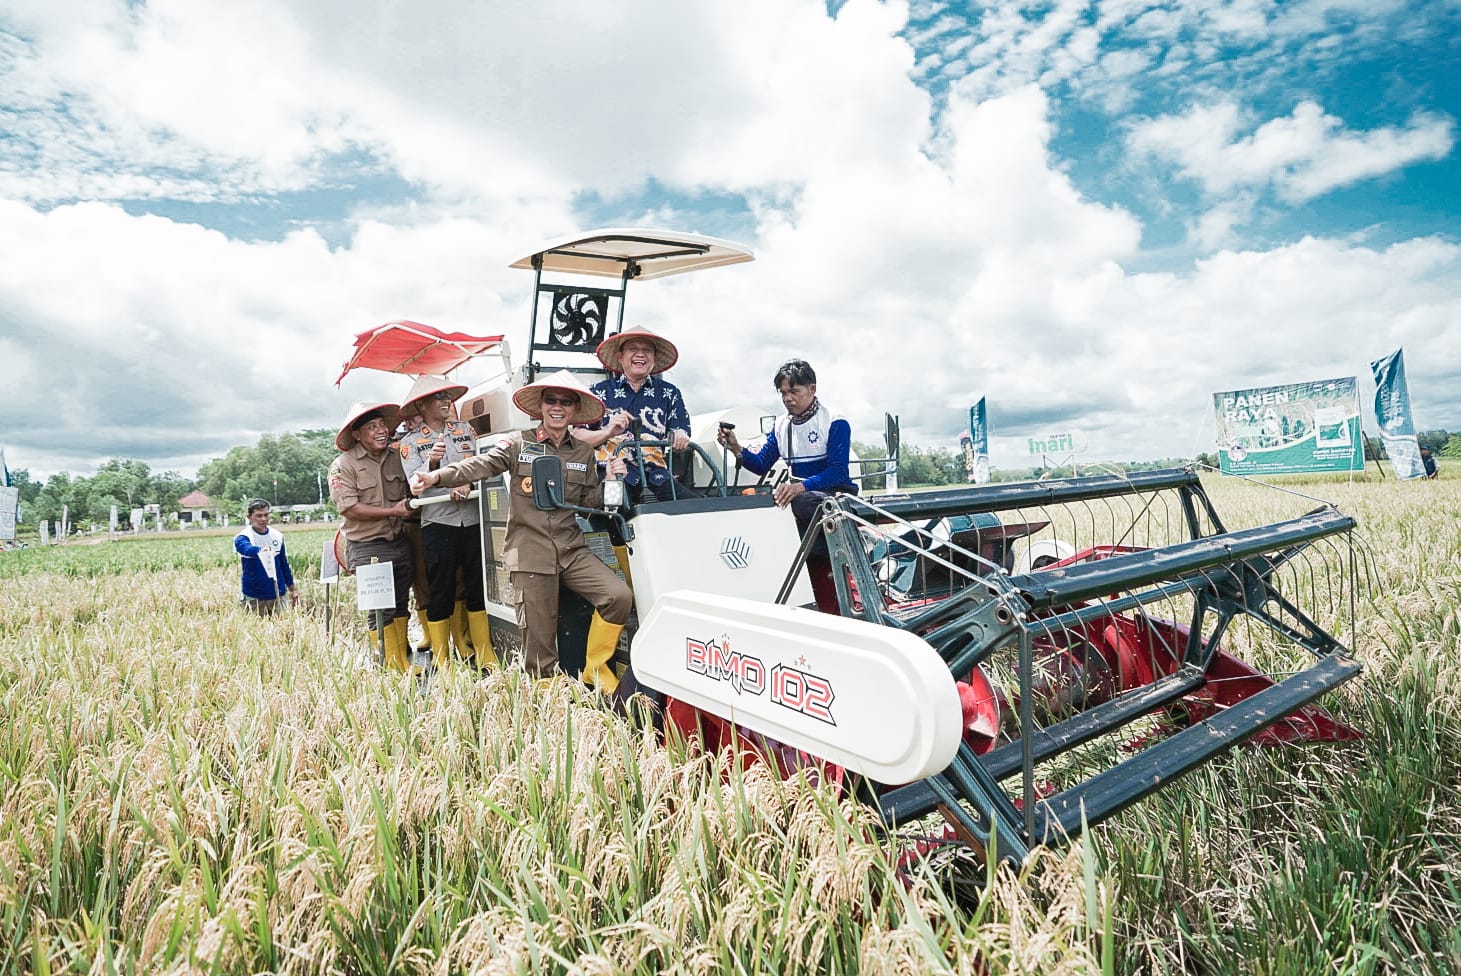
(1392, 410)
(976, 453)
(1299, 427)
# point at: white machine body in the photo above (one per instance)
(876, 700)
(741, 547)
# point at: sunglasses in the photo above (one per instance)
(443, 395)
(560, 401)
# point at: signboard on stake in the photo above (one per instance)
(375, 587)
(1295, 428)
(330, 564)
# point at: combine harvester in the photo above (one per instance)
(1024, 660)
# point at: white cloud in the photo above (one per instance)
(1302, 155)
(917, 261)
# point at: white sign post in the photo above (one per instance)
(375, 590)
(375, 586)
(329, 575)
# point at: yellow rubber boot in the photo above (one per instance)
(481, 630)
(425, 644)
(398, 653)
(461, 633)
(440, 631)
(603, 641)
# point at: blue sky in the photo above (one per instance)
(1096, 214)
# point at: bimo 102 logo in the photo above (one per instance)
(792, 688)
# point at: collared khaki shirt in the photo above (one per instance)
(355, 478)
(535, 540)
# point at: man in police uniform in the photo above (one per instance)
(368, 486)
(420, 585)
(451, 539)
(543, 547)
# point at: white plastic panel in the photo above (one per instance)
(742, 552)
(874, 699)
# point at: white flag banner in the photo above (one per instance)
(9, 508)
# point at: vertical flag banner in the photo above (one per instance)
(9, 502)
(979, 443)
(9, 506)
(966, 450)
(1299, 427)
(1392, 410)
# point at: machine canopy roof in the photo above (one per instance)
(645, 254)
(413, 348)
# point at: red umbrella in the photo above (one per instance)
(413, 348)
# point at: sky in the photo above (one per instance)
(1094, 214)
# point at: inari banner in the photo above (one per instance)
(1392, 410)
(1299, 427)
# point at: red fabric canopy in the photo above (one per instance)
(413, 348)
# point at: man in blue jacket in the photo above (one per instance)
(266, 575)
(816, 442)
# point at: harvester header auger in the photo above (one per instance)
(1092, 629)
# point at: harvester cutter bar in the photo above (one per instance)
(1118, 787)
(917, 799)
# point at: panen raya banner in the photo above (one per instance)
(1392, 410)
(1288, 429)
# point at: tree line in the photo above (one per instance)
(288, 469)
(291, 469)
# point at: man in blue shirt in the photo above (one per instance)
(640, 395)
(816, 443)
(266, 576)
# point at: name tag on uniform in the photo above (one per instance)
(576, 466)
(526, 457)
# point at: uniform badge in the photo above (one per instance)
(527, 486)
(576, 466)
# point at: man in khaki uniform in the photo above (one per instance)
(368, 486)
(544, 547)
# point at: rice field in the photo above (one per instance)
(185, 787)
